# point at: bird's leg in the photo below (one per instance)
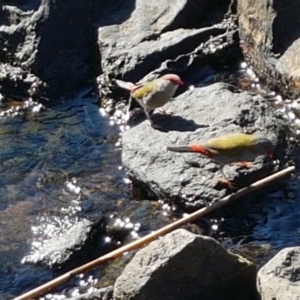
(244, 164)
(227, 183)
(165, 112)
(150, 120)
(222, 172)
(225, 180)
(148, 117)
(127, 116)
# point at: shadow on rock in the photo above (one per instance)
(166, 123)
(220, 112)
(120, 10)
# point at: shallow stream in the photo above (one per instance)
(64, 163)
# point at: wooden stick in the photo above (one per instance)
(154, 235)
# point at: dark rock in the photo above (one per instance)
(70, 249)
(182, 265)
(141, 59)
(65, 45)
(269, 31)
(280, 278)
(199, 115)
(54, 40)
(99, 294)
(18, 83)
(153, 33)
(114, 269)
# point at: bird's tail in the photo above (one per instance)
(190, 148)
(126, 85)
(179, 148)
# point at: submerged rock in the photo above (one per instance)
(182, 265)
(199, 115)
(279, 278)
(71, 248)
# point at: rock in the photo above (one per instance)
(269, 40)
(289, 62)
(279, 278)
(199, 115)
(54, 40)
(65, 45)
(153, 33)
(17, 83)
(71, 248)
(137, 61)
(182, 265)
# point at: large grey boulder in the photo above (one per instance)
(152, 32)
(182, 265)
(199, 115)
(280, 278)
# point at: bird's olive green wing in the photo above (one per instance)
(232, 144)
(143, 90)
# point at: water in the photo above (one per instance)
(40, 153)
(66, 161)
(260, 225)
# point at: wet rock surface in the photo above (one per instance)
(279, 278)
(182, 265)
(199, 115)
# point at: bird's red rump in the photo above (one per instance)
(200, 149)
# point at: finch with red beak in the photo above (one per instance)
(236, 148)
(152, 94)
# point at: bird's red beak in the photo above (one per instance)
(177, 81)
(180, 82)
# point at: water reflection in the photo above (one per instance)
(40, 154)
(263, 224)
(65, 161)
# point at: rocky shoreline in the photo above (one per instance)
(52, 49)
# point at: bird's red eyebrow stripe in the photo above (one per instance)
(200, 149)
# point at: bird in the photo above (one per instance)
(152, 94)
(234, 148)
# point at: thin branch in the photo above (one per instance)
(154, 235)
